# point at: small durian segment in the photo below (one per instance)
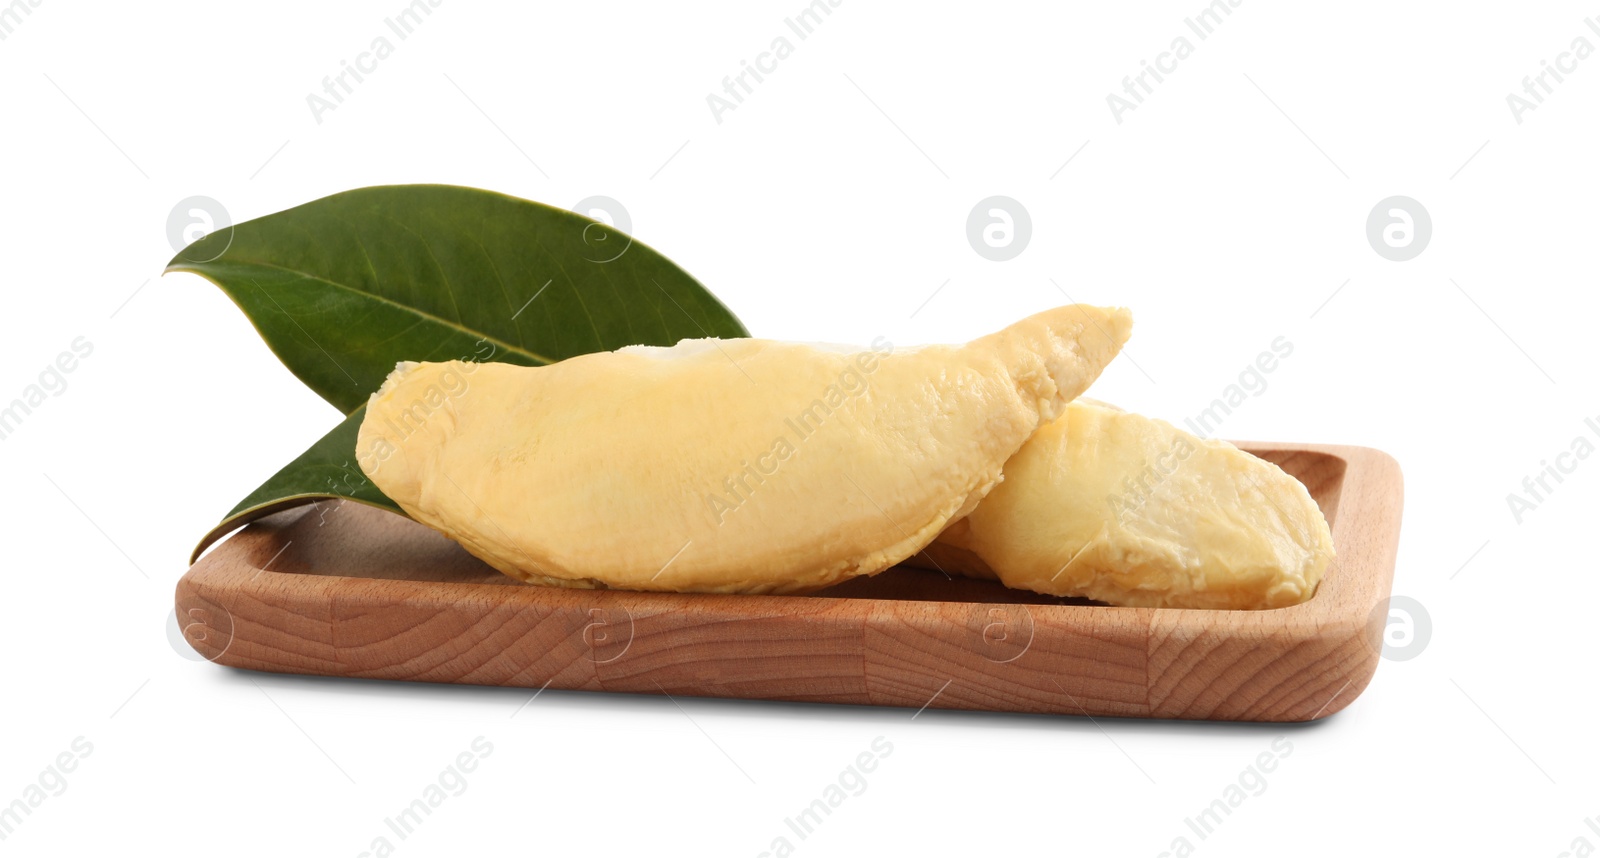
(742, 465)
(1126, 509)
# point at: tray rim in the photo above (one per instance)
(1369, 504)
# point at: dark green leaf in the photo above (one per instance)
(325, 474)
(345, 287)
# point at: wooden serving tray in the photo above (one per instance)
(355, 591)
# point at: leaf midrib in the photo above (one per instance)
(200, 268)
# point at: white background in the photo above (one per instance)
(1226, 210)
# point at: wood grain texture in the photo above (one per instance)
(355, 591)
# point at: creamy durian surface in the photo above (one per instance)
(1126, 509)
(739, 465)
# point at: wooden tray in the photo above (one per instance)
(355, 591)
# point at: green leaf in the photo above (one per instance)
(325, 473)
(343, 288)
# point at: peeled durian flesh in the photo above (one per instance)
(738, 465)
(1126, 509)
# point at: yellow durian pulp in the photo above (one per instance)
(1114, 506)
(740, 465)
